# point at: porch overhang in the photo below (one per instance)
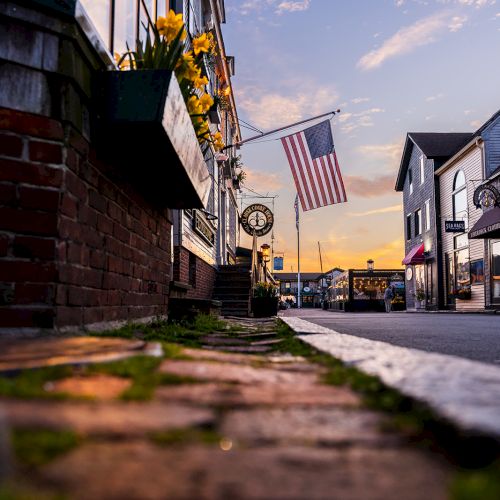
(488, 225)
(414, 256)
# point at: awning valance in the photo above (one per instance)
(415, 255)
(488, 225)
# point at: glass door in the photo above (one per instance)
(495, 272)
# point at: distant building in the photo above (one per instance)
(313, 286)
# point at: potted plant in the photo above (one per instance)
(264, 300)
(239, 179)
(398, 303)
(152, 113)
(464, 293)
(419, 295)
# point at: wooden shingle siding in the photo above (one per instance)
(412, 203)
(491, 136)
(471, 165)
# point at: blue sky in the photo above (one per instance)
(391, 66)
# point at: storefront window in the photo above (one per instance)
(477, 272)
(125, 26)
(99, 12)
(419, 277)
(370, 288)
(462, 268)
(450, 273)
(460, 198)
(495, 271)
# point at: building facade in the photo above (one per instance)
(423, 153)
(205, 239)
(86, 213)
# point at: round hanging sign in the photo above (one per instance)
(258, 219)
(409, 273)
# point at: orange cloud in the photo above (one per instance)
(369, 188)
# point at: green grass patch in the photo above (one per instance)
(31, 383)
(186, 333)
(37, 447)
(143, 370)
(185, 436)
(483, 484)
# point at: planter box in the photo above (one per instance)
(264, 307)
(66, 7)
(145, 130)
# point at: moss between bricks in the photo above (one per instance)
(35, 447)
(477, 457)
(186, 436)
(35, 383)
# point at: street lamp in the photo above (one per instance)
(266, 257)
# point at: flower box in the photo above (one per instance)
(264, 307)
(144, 129)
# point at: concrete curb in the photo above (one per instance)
(465, 392)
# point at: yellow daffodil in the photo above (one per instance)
(206, 102)
(201, 44)
(194, 106)
(124, 64)
(217, 141)
(171, 25)
(186, 67)
(200, 82)
(211, 43)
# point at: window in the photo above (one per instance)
(410, 180)
(427, 215)
(408, 227)
(477, 272)
(460, 198)
(422, 169)
(418, 222)
(495, 272)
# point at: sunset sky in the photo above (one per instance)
(391, 66)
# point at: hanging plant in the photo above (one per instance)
(164, 48)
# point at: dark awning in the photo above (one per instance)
(415, 255)
(488, 225)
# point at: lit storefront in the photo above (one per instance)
(487, 198)
(363, 290)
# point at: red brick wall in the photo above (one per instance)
(205, 274)
(77, 245)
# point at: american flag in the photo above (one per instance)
(315, 169)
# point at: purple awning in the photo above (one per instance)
(488, 225)
(415, 255)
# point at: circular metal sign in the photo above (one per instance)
(409, 273)
(258, 219)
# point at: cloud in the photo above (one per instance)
(352, 121)
(457, 23)
(293, 6)
(408, 39)
(385, 210)
(434, 97)
(370, 188)
(359, 100)
(262, 181)
(390, 152)
(266, 110)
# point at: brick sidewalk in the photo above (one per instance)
(245, 426)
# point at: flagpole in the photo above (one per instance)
(298, 256)
(253, 138)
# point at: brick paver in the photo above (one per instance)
(273, 430)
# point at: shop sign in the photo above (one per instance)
(278, 263)
(454, 226)
(203, 229)
(258, 219)
(486, 197)
(307, 289)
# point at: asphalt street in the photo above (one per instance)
(470, 336)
